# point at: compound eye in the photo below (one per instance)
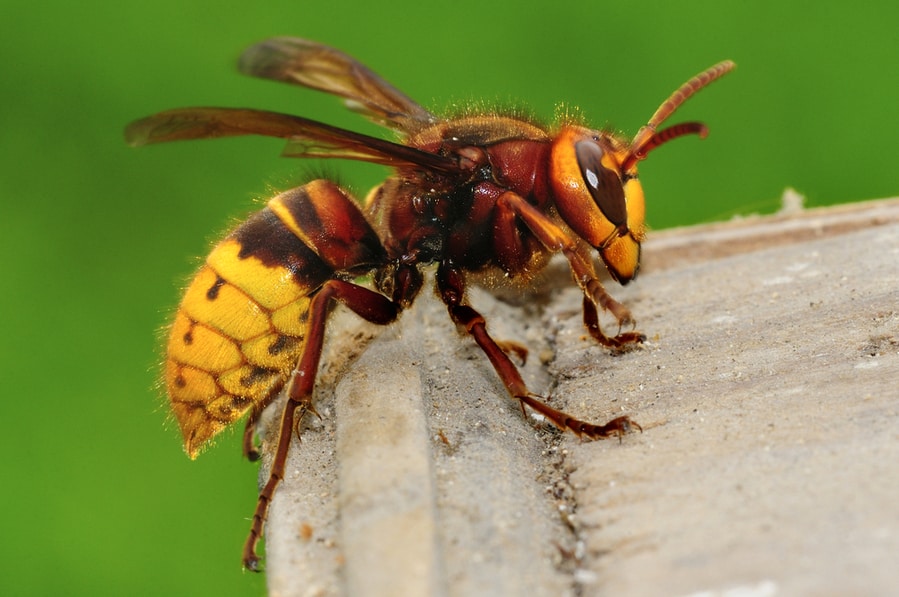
(604, 184)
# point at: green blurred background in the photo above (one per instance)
(95, 238)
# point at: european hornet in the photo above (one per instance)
(472, 194)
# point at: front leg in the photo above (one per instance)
(451, 285)
(591, 322)
(511, 207)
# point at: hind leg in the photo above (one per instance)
(366, 303)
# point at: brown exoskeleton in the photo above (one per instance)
(480, 193)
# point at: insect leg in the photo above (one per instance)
(451, 284)
(366, 303)
(250, 451)
(556, 239)
(516, 348)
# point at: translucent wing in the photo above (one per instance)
(307, 138)
(320, 67)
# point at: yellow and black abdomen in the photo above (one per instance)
(241, 325)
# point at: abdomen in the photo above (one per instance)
(241, 325)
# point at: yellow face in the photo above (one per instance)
(601, 203)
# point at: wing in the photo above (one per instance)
(307, 63)
(307, 138)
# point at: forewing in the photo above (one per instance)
(320, 67)
(307, 138)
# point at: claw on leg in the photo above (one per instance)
(617, 427)
(512, 347)
(591, 322)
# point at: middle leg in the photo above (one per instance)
(451, 285)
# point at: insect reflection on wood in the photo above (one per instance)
(478, 193)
